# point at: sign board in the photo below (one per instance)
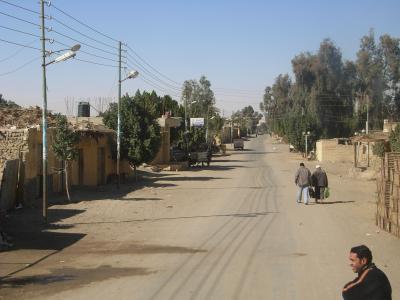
(197, 122)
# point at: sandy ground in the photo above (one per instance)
(229, 231)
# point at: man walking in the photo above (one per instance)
(320, 182)
(303, 180)
(371, 283)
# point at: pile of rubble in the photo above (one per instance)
(14, 118)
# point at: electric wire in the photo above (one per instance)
(82, 43)
(95, 63)
(19, 31)
(21, 45)
(154, 69)
(24, 8)
(83, 24)
(19, 19)
(157, 87)
(85, 52)
(17, 52)
(85, 35)
(143, 69)
(20, 67)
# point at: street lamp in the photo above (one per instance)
(208, 120)
(306, 134)
(70, 54)
(186, 131)
(131, 75)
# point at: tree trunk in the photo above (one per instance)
(66, 180)
(134, 171)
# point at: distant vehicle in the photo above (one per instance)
(177, 154)
(238, 144)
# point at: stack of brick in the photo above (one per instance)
(387, 214)
(13, 143)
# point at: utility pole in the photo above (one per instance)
(44, 117)
(366, 123)
(118, 114)
(306, 134)
(208, 112)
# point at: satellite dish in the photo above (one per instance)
(76, 47)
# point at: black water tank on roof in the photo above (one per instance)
(83, 109)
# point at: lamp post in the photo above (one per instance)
(70, 54)
(131, 75)
(208, 120)
(306, 134)
(186, 133)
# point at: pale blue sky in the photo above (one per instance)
(240, 46)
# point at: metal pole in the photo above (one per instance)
(366, 123)
(118, 115)
(186, 133)
(231, 131)
(208, 111)
(44, 117)
(306, 145)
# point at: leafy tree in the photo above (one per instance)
(64, 146)
(6, 103)
(394, 139)
(247, 119)
(200, 103)
(370, 71)
(379, 149)
(390, 49)
(140, 132)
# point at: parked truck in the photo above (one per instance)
(238, 144)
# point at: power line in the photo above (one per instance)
(80, 42)
(154, 69)
(156, 86)
(19, 19)
(19, 31)
(141, 67)
(76, 20)
(21, 45)
(88, 53)
(17, 52)
(20, 67)
(95, 63)
(100, 42)
(24, 8)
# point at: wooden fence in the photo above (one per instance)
(388, 184)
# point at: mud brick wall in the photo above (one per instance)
(388, 186)
(12, 142)
(331, 150)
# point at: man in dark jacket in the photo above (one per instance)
(371, 283)
(302, 179)
(320, 182)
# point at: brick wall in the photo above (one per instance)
(13, 143)
(330, 150)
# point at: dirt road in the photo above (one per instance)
(229, 231)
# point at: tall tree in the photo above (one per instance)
(390, 49)
(65, 146)
(140, 132)
(370, 70)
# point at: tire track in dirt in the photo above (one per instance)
(230, 235)
(203, 245)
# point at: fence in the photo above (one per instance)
(388, 184)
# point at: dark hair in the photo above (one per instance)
(301, 164)
(362, 251)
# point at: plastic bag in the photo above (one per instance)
(311, 192)
(327, 192)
